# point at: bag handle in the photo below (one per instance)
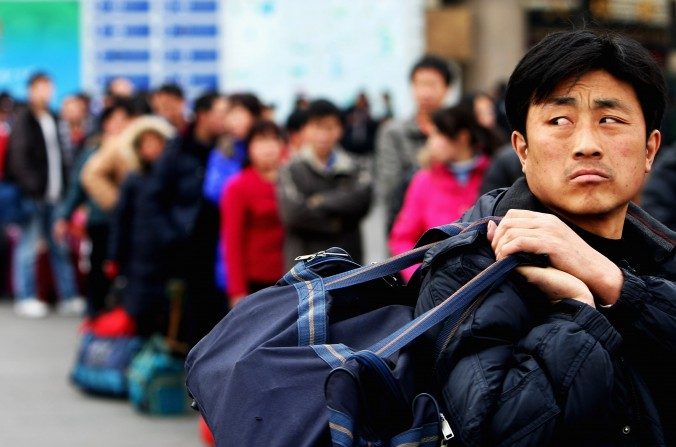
(453, 307)
(404, 260)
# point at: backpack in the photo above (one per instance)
(328, 356)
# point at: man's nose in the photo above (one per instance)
(588, 144)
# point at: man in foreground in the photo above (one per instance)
(582, 351)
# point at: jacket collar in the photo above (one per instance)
(637, 222)
(342, 163)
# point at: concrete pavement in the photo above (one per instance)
(39, 407)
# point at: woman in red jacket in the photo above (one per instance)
(251, 229)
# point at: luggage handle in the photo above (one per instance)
(404, 260)
(454, 306)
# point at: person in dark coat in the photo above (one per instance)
(659, 194)
(583, 351)
(186, 222)
(134, 249)
(323, 193)
(35, 162)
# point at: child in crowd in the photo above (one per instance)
(251, 230)
(323, 193)
(134, 249)
(449, 182)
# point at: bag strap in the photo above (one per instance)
(404, 260)
(451, 308)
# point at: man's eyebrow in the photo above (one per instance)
(610, 103)
(561, 101)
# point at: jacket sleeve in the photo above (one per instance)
(233, 227)
(19, 165)
(389, 166)
(75, 195)
(646, 314)
(296, 213)
(120, 224)
(511, 378)
(350, 202)
(161, 189)
(97, 177)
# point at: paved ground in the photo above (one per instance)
(38, 407)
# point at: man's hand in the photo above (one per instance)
(557, 285)
(541, 233)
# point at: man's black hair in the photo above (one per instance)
(38, 76)
(322, 108)
(436, 63)
(296, 120)
(124, 104)
(569, 55)
(451, 120)
(206, 101)
(172, 89)
(249, 101)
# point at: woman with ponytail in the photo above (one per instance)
(453, 164)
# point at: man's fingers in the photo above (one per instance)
(528, 243)
(490, 230)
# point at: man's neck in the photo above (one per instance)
(608, 225)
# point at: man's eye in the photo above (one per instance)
(609, 120)
(560, 121)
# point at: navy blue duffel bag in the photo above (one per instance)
(328, 356)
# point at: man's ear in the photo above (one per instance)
(651, 148)
(520, 146)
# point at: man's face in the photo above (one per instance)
(323, 134)
(586, 153)
(168, 106)
(214, 118)
(73, 110)
(40, 92)
(429, 89)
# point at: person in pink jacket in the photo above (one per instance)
(448, 183)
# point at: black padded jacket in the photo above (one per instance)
(519, 371)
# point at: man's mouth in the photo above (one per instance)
(589, 176)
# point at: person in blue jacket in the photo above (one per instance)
(583, 351)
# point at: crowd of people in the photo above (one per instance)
(224, 199)
(221, 196)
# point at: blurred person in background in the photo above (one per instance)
(323, 193)
(228, 158)
(399, 142)
(186, 221)
(659, 194)
(168, 101)
(483, 107)
(454, 163)
(360, 129)
(75, 126)
(251, 229)
(134, 248)
(8, 194)
(107, 168)
(35, 162)
(113, 121)
(296, 131)
(119, 87)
